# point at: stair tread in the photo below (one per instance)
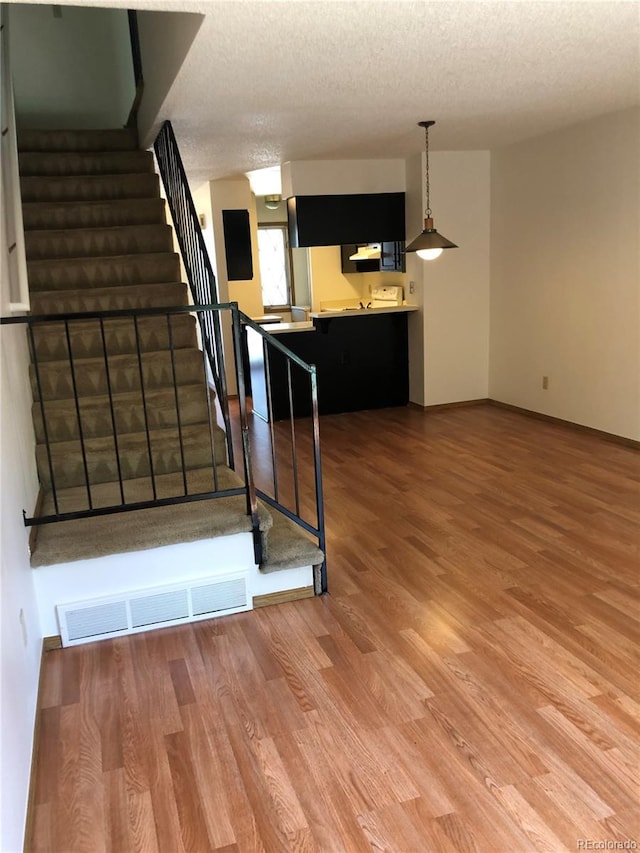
(165, 294)
(87, 538)
(120, 212)
(131, 440)
(82, 163)
(128, 409)
(65, 242)
(100, 139)
(126, 258)
(116, 359)
(54, 381)
(50, 343)
(105, 271)
(89, 187)
(288, 546)
(194, 446)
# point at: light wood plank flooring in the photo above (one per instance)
(470, 683)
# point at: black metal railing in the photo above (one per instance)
(286, 448)
(106, 444)
(112, 432)
(200, 275)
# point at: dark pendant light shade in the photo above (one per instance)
(429, 245)
(429, 241)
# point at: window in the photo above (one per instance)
(275, 266)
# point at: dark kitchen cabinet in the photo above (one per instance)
(362, 362)
(392, 257)
(335, 220)
(237, 245)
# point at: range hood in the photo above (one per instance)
(370, 252)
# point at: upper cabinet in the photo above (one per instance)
(336, 220)
(392, 257)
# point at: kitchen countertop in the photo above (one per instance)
(282, 328)
(358, 312)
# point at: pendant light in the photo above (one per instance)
(429, 244)
(272, 202)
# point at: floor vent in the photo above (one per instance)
(116, 616)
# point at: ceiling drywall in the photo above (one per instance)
(267, 81)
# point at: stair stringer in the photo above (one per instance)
(128, 574)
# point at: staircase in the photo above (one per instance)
(123, 412)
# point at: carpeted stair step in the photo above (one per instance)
(89, 187)
(164, 295)
(98, 242)
(94, 214)
(130, 413)
(56, 381)
(56, 163)
(168, 449)
(110, 139)
(288, 546)
(86, 336)
(86, 538)
(117, 271)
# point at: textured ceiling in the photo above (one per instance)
(275, 80)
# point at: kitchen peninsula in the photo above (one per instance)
(361, 357)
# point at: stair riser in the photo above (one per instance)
(109, 299)
(98, 242)
(76, 273)
(61, 164)
(107, 214)
(56, 381)
(50, 341)
(121, 139)
(90, 188)
(68, 466)
(129, 414)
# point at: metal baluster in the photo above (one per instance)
(315, 420)
(78, 415)
(272, 434)
(177, 402)
(54, 491)
(294, 461)
(111, 409)
(252, 501)
(210, 415)
(144, 407)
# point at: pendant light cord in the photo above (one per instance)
(426, 171)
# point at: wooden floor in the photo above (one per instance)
(470, 683)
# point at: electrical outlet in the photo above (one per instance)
(412, 287)
(545, 383)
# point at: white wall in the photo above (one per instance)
(74, 70)
(20, 632)
(414, 215)
(165, 40)
(453, 290)
(565, 290)
(342, 177)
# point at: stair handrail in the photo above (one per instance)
(197, 264)
(202, 283)
(11, 198)
(318, 529)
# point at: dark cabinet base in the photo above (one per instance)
(362, 362)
